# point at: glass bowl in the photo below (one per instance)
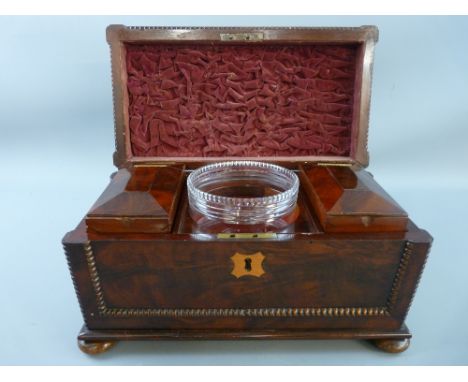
(243, 193)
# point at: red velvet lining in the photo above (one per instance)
(239, 100)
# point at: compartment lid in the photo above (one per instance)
(209, 94)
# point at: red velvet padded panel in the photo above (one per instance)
(239, 100)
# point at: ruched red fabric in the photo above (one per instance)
(240, 100)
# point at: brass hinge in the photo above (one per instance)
(255, 36)
(154, 164)
(335, 164)
(259, 235)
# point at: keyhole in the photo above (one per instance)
(248, 264)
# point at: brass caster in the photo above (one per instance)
(390, 345)
(94, 348)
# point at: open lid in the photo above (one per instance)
(209, 94)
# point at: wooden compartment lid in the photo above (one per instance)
(140, 199)
(209, 94)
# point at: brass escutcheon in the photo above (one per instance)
(247, 265)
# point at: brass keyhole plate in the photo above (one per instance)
(247, 265)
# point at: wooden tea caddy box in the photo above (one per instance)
(347, 268)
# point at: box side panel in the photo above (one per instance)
(81, 272)
(406, 280)
(190, 285)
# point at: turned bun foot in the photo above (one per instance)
(391, 345)
(93, 348)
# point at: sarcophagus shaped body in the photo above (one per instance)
(143, 268)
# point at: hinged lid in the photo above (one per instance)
(211, 94)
